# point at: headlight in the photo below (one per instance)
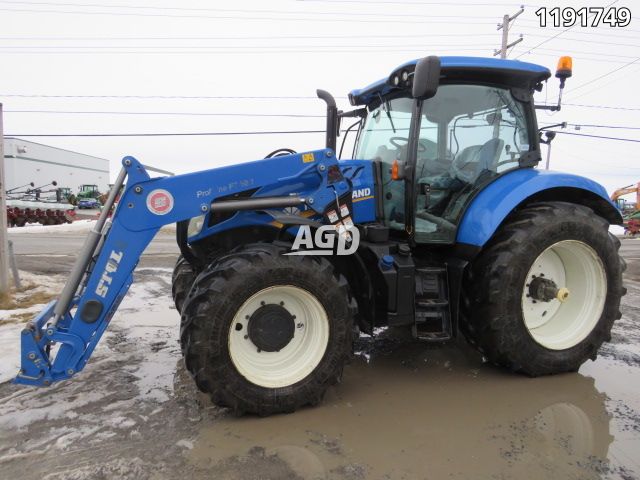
(195, 226)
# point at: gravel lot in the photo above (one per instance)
(404, 409)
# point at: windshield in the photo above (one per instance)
(386, 129)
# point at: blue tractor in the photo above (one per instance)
(440, 223)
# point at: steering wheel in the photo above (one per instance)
(281, 152)
(395, 142)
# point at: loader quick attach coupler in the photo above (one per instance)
(38, 366)
(36, 341)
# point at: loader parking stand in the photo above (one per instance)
(417, 296)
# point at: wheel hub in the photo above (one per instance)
(271, 327)
(571, 272)
(545, 290)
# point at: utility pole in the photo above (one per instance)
(4, 245)
(504, 26)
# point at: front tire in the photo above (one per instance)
(184, 274)
(267, 333)
(543, 295)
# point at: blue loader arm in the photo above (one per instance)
(104, 269)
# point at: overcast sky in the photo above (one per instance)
(286, 48)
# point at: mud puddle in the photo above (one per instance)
(404, 410)
(419, 412)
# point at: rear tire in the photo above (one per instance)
(307, 300)
(183, 277)
(539, 335)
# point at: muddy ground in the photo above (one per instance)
(404, 410)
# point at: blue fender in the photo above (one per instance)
(492, 205)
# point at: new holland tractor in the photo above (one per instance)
(446, 228)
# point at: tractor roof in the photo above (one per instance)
(475, 69)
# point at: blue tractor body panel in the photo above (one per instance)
(510, 71)
(492, 205)
(360, 173)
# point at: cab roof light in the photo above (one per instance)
(563, 71)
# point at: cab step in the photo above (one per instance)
(432, 309)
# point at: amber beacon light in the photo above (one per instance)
(563, 71)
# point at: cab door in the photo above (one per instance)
(482, 132)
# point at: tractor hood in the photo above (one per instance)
(468, 69)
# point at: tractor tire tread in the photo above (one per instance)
(202, 332)
(489, 325)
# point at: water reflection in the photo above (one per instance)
(416, 411)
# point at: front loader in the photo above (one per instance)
(442, 223)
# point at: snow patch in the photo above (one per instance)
(78, 226)
(184, 443)
(12, 321)
(616, 230)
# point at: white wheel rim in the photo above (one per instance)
(560, 325)
(299, 357)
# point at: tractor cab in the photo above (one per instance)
(473, 122)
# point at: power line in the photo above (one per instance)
(282, 132)
(400, 2)
(233, 10)
(235, 47)
(227, 17)
(579, 52)
(416, 50)
(601, 106)
(582, 40)
(598, 136)
(588, 125)
(248, 37)
(185, 134)
(238, 97)
(604, 75)
(172, 97)
(204, 114)
(580, 32)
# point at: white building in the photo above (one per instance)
(26, 161)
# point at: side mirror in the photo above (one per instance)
(426, 77)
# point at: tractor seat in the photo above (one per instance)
(472, 161)
(465, 169)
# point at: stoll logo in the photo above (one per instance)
(323, 242)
